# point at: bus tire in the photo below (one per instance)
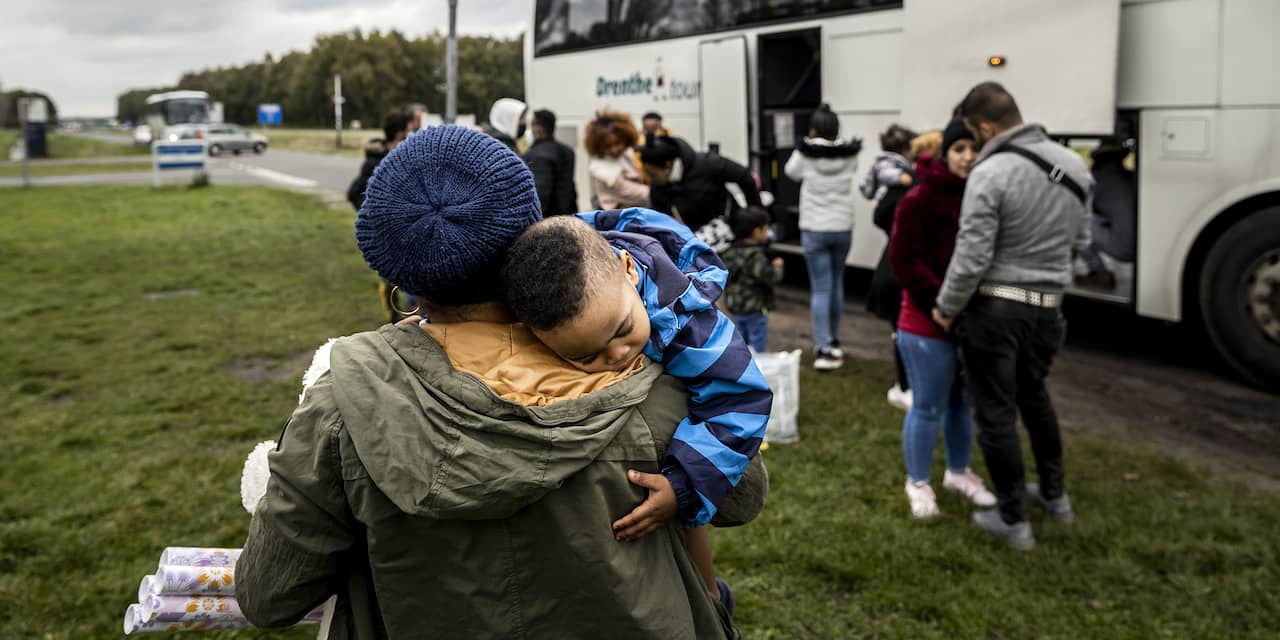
(1240, 296)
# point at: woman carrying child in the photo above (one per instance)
(924, 237)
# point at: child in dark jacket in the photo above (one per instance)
(887, 182)
(749, 295)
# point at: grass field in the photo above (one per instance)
(150, 339)
(62, 145)
(320, 140)
(12, 171)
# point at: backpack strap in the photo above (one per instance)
(1055, 173)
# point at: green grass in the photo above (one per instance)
(125, 428)
(62, 145)
(7, 138)
(320, 140)
(37, 169)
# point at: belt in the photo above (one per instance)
(1018, 294)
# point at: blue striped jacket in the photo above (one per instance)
(729, 401)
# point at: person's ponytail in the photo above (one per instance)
(824, 122)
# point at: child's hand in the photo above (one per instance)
(777, 262)
(656, 511)
(905, 179)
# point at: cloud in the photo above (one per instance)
(84, 54)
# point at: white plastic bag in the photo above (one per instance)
(781, 370)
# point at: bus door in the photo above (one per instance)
(789, 73)
(722, 72)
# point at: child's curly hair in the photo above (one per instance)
(929, 142)
(610, 133)
(896, 139)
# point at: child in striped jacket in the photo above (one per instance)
(603, 288)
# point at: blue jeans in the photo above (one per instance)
(824, 254)
(754, 328)
(937, 399)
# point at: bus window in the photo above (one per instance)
(565, 25)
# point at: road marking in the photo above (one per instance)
(274, 176)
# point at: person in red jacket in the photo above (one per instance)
(924, 236)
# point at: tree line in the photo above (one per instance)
(381, 73)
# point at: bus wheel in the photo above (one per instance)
(1240, 296)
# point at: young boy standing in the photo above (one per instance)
(749, 295)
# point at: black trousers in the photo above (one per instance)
(1006, 349)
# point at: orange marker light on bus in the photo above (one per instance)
(996, 61)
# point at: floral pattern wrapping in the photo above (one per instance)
(184, 581)
(193, 590)
(199, 557)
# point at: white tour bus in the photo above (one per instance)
(1194, 85)
(171, 109)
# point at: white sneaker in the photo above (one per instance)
(827, 360)
(924, 504)
(970, 485)
(899, 398)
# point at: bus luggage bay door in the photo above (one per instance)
(722, 70)
(1058, 58)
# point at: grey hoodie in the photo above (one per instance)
(435, 509)
(1016, 226)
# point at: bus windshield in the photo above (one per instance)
(567, 25)
(185, 111)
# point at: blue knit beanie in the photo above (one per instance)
(440, 212)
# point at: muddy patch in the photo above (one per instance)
(175, 293)
(271, 370)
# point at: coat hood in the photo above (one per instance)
(440, 444)
(830, 156)
(505, 116)
(376, 148)
(934, 172)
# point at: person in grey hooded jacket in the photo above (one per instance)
(1019, 226)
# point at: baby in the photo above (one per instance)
(602, 289)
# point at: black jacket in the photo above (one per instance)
(374, 152)
(700, 195)
(552, 165)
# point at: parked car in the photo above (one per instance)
(233, 138)
(142, 135)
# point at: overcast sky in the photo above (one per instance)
(83, 53)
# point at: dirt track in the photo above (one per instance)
(1140, 380)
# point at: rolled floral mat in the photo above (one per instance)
(174, 580)
(193, 613)
(199, 557)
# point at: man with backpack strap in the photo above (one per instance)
(1025, 211)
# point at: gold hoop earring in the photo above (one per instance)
(392, 301)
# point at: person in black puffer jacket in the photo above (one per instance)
(395, 128)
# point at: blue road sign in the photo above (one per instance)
(270, 114)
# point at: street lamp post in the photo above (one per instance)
(451, 66)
